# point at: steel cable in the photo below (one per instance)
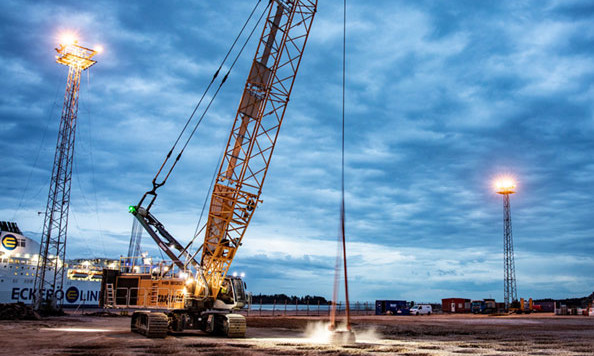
(169, 154)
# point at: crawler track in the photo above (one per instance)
(151, 325)
(235, 325)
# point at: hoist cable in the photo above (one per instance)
(342, 207)
(198, 123)
(216, 74)
(169, 154)
(223, 81)
(199, 229)
(342, 235)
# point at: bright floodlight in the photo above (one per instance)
(67, 39)
(505, 186)
(71, 54)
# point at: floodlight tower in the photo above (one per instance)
(505, 187)
(52, 251)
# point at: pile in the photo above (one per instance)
(17, 311)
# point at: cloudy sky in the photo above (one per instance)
(441, 99)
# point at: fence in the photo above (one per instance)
(307, 309)
(165, 298)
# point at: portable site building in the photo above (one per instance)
(455, 305)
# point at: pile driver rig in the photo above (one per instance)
(195, 292)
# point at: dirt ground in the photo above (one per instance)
(534, 334)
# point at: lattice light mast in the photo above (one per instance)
(505, 187)
(52, 251)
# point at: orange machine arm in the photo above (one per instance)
(243, 170)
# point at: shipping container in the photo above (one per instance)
(547, 307)
(391, 307)
(455, 305)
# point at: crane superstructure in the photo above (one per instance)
(202, 295)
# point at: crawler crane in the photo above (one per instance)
(197, 293)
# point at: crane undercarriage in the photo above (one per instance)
(154, 324)
(166, 303)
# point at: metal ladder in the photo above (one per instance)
(154, 294)
(109, 295)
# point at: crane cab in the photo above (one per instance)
(232, 295)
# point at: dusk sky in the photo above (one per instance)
(442, 97)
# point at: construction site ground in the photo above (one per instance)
(534, 334)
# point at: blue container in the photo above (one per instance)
(391, 307)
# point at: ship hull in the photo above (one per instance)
(18, 264)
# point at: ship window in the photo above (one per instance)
(23, 243)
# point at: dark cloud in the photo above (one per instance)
(441, 98)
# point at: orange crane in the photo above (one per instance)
(198, 294)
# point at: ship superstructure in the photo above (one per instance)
(19, 257)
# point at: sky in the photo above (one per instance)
(442, 98)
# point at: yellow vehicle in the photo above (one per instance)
(192, 292)
(522, 306)
(169, 297)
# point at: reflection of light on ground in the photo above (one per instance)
(318, 333)
(79, 330)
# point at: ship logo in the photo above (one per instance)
(72, 294)
(9, 242)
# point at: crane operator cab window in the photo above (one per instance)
(239, 288)
(226, 293)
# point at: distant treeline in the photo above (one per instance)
(571, 302)
(282, 298)
(313, 300)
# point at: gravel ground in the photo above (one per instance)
(535, 334)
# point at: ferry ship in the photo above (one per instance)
(18, 263)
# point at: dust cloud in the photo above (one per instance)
(318, 332)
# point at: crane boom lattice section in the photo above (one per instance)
(251, 143)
